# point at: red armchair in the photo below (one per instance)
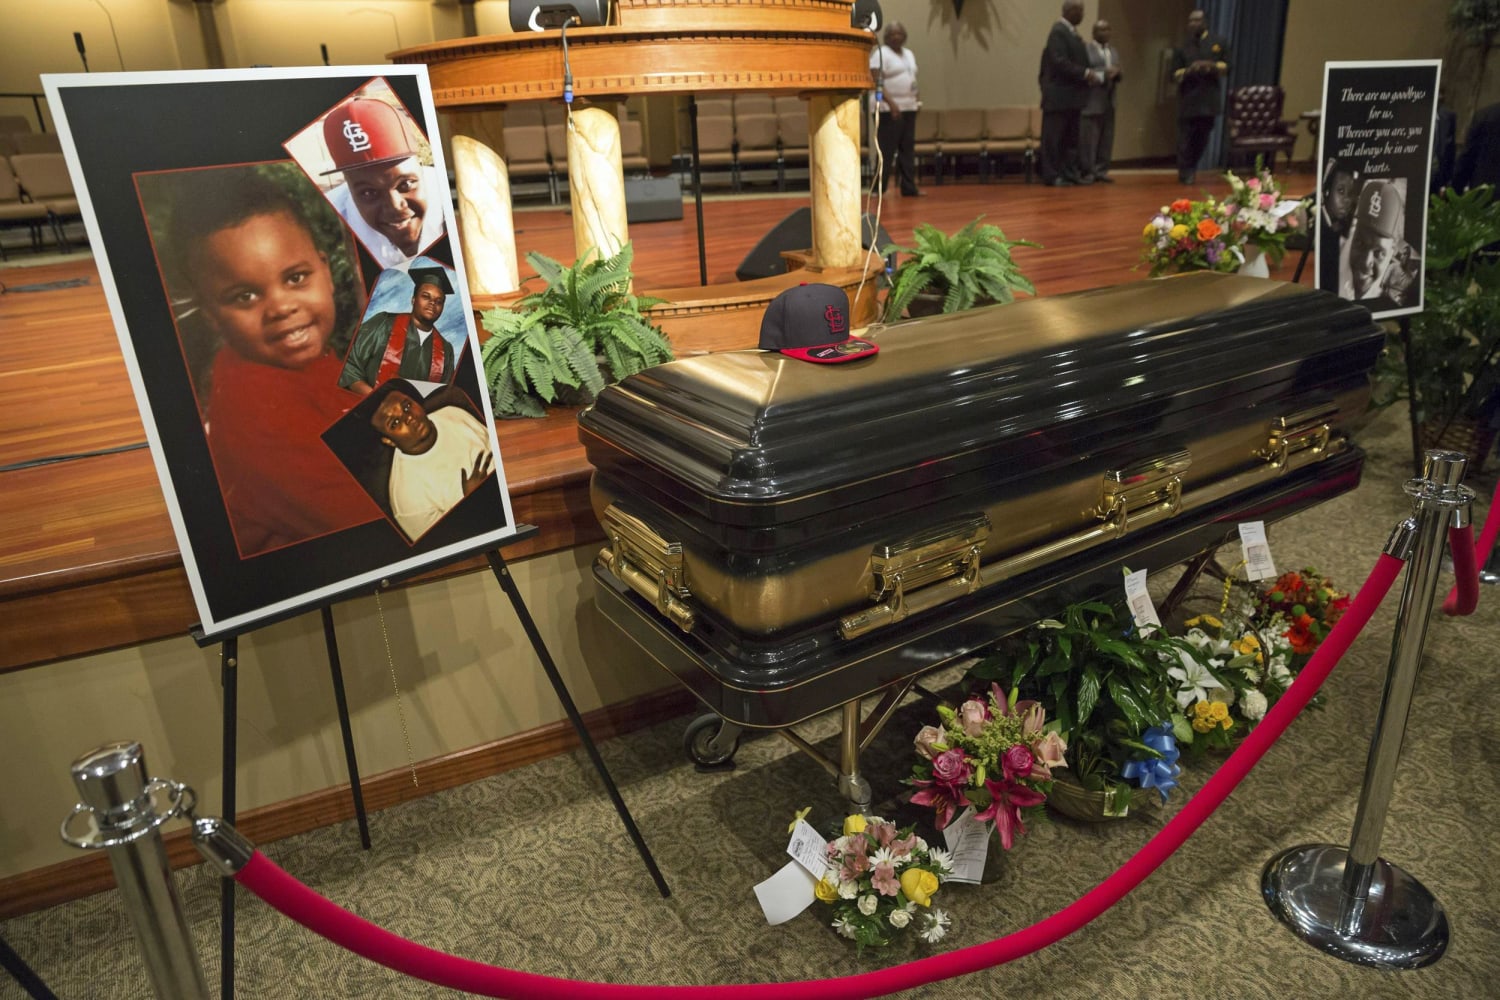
(1256, 125)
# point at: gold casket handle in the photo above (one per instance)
(649, 564)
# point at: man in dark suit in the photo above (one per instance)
(1197, 66)
(1065, 78)
(1479, 163)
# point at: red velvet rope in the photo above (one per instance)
(1464, 597)
(262, 877)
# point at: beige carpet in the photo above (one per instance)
(532, 870)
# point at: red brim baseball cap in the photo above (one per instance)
(811, 323)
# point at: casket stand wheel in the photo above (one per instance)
(711, 742)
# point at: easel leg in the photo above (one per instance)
(1190, 576)
(1411, 396)
(229, 678)
(331, 641)
(508, 584)
(23, 974)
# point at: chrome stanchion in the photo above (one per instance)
(1352, 903)
(119, 814)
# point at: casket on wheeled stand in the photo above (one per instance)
(786, 538)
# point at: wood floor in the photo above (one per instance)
(88, 534)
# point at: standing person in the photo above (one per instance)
(404, 345)
(1096, 135)
(894, 69)
(1065, 78)
(1197, 67)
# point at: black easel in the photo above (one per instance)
(22, 973)
(229, 681)
(697, 188)
(228, 663)
(1411, 395)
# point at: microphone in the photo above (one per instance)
(324, 49)
(78, 41)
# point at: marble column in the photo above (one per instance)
(596, 183)
(833, 127)
(484, 221)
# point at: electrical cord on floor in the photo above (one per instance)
(32, 463)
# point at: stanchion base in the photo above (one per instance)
(1400, 926)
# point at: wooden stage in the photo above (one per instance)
(87, 556)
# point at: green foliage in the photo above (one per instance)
(1101, 681)
(1476, 22)
(1455, 340)
(973, 264)
(555, 338)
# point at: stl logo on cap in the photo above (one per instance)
(355, 134)
(1375, 205)
(811, 323)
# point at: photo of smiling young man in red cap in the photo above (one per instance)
(383, 190)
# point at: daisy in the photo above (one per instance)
(844, 927)
(936, 926)
(941, 858)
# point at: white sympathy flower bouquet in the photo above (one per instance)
(880, 882)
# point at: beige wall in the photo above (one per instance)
(466, 672)
(1320, 31)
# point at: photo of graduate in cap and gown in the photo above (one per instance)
(414, 343)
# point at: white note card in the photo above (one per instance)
(969, 843)
(1139, 600)
(1258, 564)
(785, 894)
(808, 848)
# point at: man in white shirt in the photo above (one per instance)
(391, 201)
(894, 69)
(438, 458)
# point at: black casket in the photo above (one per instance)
(787, 537)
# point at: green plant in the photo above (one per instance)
(973, 264)
(1104, 684)
(559, 336)
(1455, 341)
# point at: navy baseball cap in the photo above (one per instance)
(811, 323)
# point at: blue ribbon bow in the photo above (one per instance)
(1161, 772)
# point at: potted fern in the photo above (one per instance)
(949, 273)
(564, 343)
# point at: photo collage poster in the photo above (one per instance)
(1375, 160)
(279, 253)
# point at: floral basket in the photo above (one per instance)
(1472, 437)
(1071, 799)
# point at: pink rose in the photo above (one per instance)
(1253, 184)
(1016, 762)
(1051, 749)
(950, 768)
(971, 717)
(925, 740)
(1267, 200)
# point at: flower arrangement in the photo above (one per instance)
(1244, 658)
(1105, 683)
(1302, 607)
(1211, 235)
(880, 882)
(993, 753)
(1192, 236)
(1259, 213)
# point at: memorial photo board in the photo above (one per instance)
(1375, 161)
(277, 248)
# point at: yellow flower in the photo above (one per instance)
(827, 889)
(1178, 231)
(854, 824)
(801, 815)
(1208, 620)
(1202, 725)
(919, 885)
(1201, 710)
(1218, 711)
(1149, 230)
(1228, 723)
